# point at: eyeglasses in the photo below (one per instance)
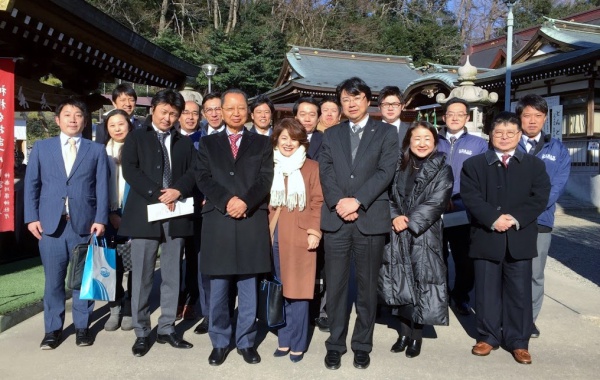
(192, 113)
(509, 134)
(213, 109)
(458, 115)
(355, 99)
(391, 105)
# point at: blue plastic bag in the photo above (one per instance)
(99, 280)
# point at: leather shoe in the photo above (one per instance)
(83, 337)
(173, 340)
(482, 349)
(414, 348)
(535, 332)
(51, 340)
(202, 327)
(322, 323)
(333, 359)
(522, 356)
(249, 354)
(218, 356)
(141, 346)
(400, 344)
(281, 353)
(296, 358)
(361, 359)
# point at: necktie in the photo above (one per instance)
(452, 140)
(533, 143)
(167, 176)
(505, 158)
(71, 155)
(355, 139)
(233, 139)
(214, 131)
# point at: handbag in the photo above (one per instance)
(270, 308)
(76, 265)
(124, 251)
(99, 279)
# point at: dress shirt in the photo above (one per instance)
(457, 134)
(360, 124)
(210, 130)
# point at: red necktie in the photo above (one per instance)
(233, 139)
(505, 158)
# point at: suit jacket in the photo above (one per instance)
(314, 148)
(298, 264)
(102, 135)
(366, 179)
(253, 130)
(490, 190)
(142, 164)
(235, 246)
(402, 132)
(47, 185)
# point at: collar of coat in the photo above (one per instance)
(491, 157)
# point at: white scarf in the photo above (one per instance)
(289, 167)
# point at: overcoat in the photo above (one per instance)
(490, 190)
(235, 246)
(142, 165)
(413, 270)
(299, 265)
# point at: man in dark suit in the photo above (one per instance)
(155, 163)
(66, 200)
(234, 172)
(391, 104)
(505, 190)
(123, 98)
(262, 112)
(307, 111)
(357, 163)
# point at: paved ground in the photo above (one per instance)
(568, 346)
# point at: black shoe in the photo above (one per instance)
(173, 340)
(202, 327)
(51, 340)
(333, 359)
(218, 356)
(250, 355)
(322, 323)
(83, 337)
(400, 344)
(361, 359)
(141, 346)
(535, 333)
(280, 353)
(414, 348)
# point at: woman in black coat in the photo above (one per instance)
(413, 273)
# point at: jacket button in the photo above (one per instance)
(149, 191)
(158, 166)
(231, 173)
(499, 208)
(351, 175)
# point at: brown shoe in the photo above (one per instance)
(482, 349)
(522, 356)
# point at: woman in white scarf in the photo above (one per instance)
(294, 215)
(118, 126)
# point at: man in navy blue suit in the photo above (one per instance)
(66, 199)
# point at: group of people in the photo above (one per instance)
(385, 200)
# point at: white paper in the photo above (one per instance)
(159, 211)
(453, 219)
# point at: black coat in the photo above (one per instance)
(142, 165)
(413, 270)
(314, 147)
(235, 246)
(366, 179)
(490, 190)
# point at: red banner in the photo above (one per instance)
(7, 145)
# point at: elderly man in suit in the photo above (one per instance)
(505, 190)
(66, 200)
(234, 172)
(357, 163)
(156, 161)
(307, 111)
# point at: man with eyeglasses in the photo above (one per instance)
(235, 172)
(458, 145)
(212, 112)
(533, 110)
(391, 104)
(357, 164)
(505, 189)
